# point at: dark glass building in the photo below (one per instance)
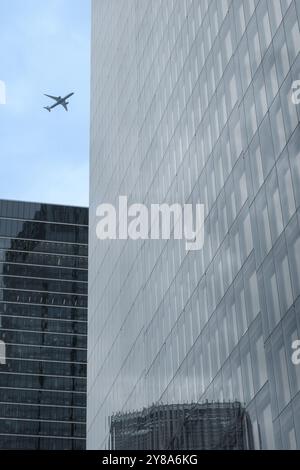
(209, 426)
(43, 325)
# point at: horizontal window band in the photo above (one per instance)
(14, 289)
(2, 217)
(45, 361)
(44, 266)
(29, 374)
(37, 240)
(70, 438)
(41, 332)
(15, 276)
(38, 405)
(41, 318)
(8, 418)
(41, 253)
(43, 390)
(42, 305)
(44, 346)
(26, 304)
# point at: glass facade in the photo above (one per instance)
(192, 104)
(43, 325)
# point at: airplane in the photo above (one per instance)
(59, 101)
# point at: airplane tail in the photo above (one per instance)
(48, 109)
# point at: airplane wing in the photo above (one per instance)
(65, 106)
(56, 98)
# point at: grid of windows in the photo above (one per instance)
(43, 323)
(193, 104)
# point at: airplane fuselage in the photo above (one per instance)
(59, 101)
(62, 100)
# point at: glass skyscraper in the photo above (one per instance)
(43, 326)
(192, 103)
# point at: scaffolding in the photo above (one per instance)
(208, 426)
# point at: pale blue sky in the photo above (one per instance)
(44, 48)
